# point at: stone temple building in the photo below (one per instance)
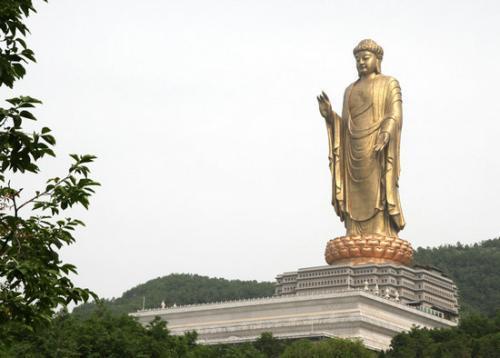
(369, 291)
(371, 302)
(425, 288)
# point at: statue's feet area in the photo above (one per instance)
(368, 249)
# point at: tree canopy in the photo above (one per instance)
(474, 268)
(103, 334)
(33, 279)
(476, 336)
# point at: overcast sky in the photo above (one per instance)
(212, 153)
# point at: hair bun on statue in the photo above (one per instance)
(369, 45)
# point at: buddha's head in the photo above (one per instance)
(368, 56)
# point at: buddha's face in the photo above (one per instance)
(366, 63)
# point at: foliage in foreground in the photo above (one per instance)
(475, 337)
(109, 335)
(331, 348)
(33, 279)
(104, 334)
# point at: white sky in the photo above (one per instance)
(212, 153)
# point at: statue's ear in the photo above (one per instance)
(379, 66)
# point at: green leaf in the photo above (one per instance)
(14, 101)
(28, 115)
(49, 139)
(21, 42)
(19, 70)
(17, 121)
(28, 54)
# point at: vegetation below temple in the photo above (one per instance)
(104, 334)
(476, 337)
(474, 268)
(109, 335)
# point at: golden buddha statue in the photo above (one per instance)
(364, 162)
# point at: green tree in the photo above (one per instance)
(332, 347)
(246, 350)
(33, 279)
(104, 334)
(476, 336)
(474, 269)
(342, 348)
(487, 346)
(269, 345)
(299, 349)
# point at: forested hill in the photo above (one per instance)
(475, 270)
(181, 289)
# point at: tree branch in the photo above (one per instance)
(46, 192)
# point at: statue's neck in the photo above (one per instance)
(368, 77)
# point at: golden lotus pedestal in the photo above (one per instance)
(360, 250)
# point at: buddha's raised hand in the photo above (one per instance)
(325, 107)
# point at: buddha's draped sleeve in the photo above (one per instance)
(335, 128)
(393, 112)
(391, 124)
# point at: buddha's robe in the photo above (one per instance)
(365, 182)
